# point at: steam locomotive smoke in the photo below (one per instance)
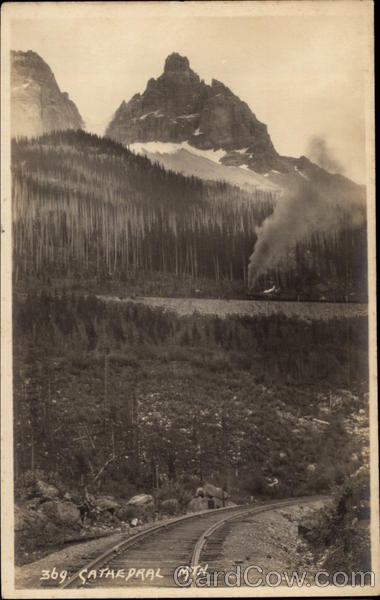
(297, 215)
(319, 152)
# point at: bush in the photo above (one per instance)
(127, 513)
(254, 484)
(344, 527)
(25, 486)
(170, 506)
(172, 491)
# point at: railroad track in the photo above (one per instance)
(150, 557)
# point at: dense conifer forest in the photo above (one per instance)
(86, 207)
(86, 204)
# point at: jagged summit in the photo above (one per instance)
(180, 107)
(176, 63)
(37, 104)
(28, 56)
(207, 131)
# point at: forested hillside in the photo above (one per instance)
(85, 207)
(153, 397)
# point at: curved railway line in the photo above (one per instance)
(191, 540)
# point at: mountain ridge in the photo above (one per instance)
(178, 107)
(37, 103)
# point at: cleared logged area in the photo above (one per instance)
(301, 310)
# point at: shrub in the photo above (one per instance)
(172, 491)
(254, 484)
(344, 527)
(170, 506)
(25, 486)
(127, 512)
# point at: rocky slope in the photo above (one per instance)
(37, 103)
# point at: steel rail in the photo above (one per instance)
(132, 541)
(231, 512)
(202, 540)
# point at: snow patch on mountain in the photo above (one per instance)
(23, 86)
(300, 173)
(172, 148)
(190, 161)
(155, 113)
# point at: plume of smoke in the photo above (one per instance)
(319, 152)
(298, 214)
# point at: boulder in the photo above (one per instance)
(197, 504)
(104, 503)
(230, 503)
(141, 506)
(125, 512)
(68, 512)
(45, 490)
(212, 491)
(61, 511)
(29, 519)
(140, 500)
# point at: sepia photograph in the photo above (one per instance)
(189, 376)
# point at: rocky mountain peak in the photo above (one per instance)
(37, 103)
(180, 107)
(219, 88)
(176, 63)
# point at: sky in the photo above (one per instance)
(303, 76)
